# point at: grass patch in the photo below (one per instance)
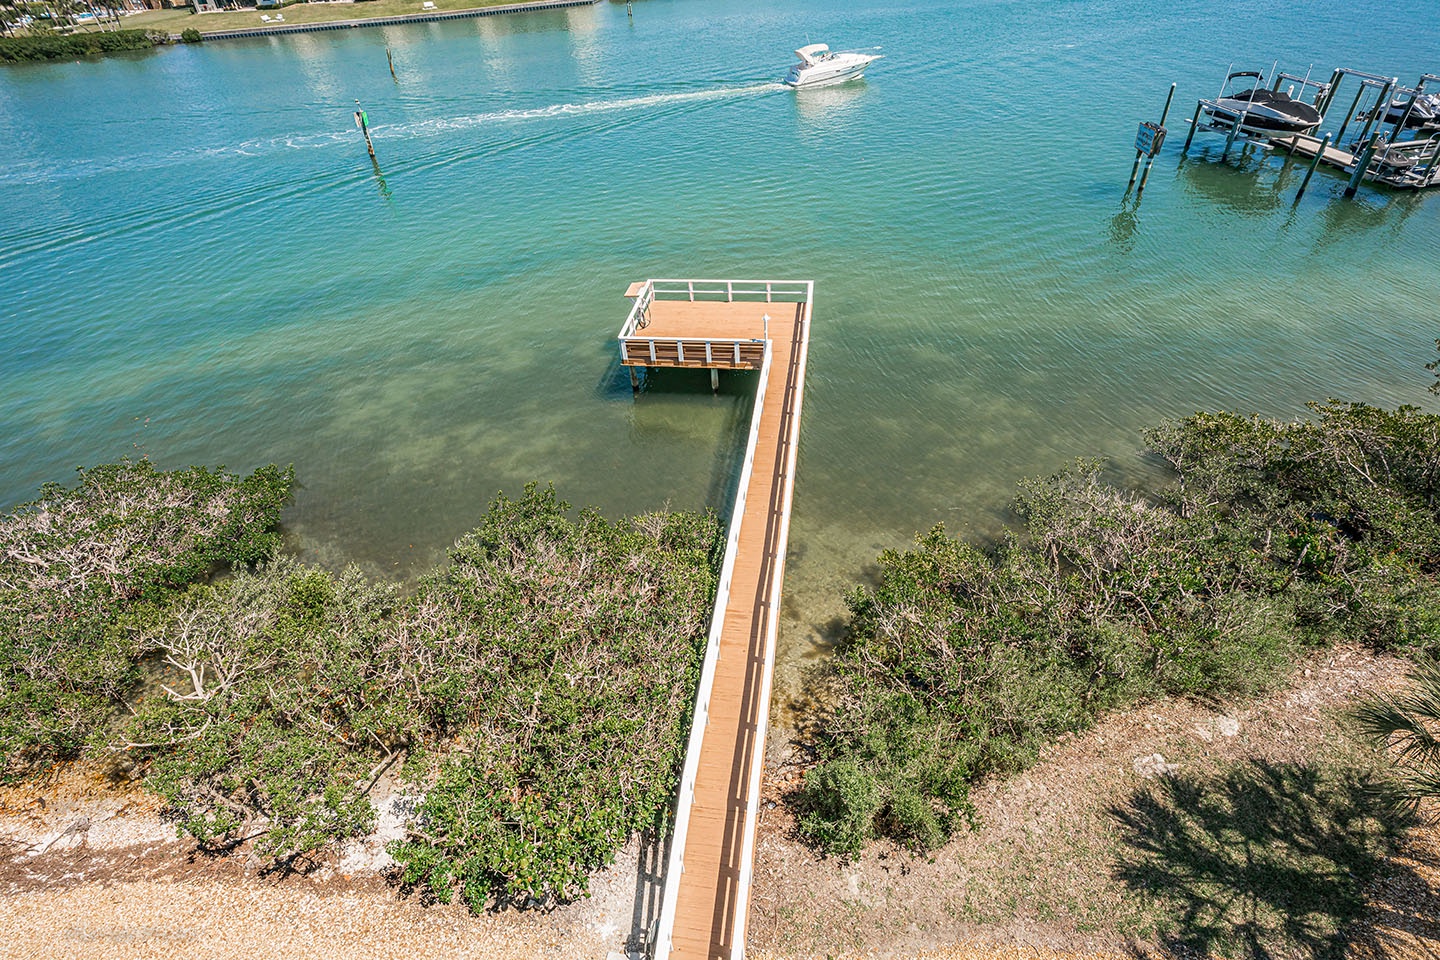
(174, 21)
(1260, 860)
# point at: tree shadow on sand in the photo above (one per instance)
(1260, 861)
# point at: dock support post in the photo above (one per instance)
(1315, 162)
(1362, 163)
(1330, 90)
(714, 380)
(1194, 121)
(1382, 106)
(1349, 115)
(1405, 114)
(1234, 132)
(634, 380)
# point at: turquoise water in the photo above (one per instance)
(199, 263)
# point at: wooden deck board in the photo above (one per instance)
(708, 893)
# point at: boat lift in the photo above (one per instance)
(1384, 151)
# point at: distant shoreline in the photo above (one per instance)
(426, 17)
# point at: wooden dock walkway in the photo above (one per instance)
(1404, 165)
(707, 881)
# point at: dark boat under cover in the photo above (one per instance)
(1266, 110)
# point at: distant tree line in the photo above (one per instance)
(57, 46)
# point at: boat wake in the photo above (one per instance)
(50, 238)
(585, 109)
(345, 134)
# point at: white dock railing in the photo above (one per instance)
(715, 291)
(675, 865)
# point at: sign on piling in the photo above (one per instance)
(1149, 139)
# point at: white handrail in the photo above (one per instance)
(729, 290)
(637, 310)
(772, 630)
(652, 290)
(675, 865)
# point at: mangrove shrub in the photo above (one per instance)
(55, 46)
(962, 661)
(81, 569)
(538, 685)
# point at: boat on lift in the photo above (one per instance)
(1423, 114)
(1258, 111)
(819, 66)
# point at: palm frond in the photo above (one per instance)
(1408, 723)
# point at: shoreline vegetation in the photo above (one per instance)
(531, 695)
(181, 25)
(1273, 539)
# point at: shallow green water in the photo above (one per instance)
(199, 263)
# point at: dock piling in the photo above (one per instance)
(1381, 106)
(1234, 132)
(1194, 122)
(1314, 162)
(1362, 163)
(1151, 162)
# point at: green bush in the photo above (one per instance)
(562, 655)
(280, 698)
(539, 685)
(54, 46)
(962, 662)
(190, 35)
(84, 571)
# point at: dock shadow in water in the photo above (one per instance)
(1260, 860)
(1372, 210)
(614, 384)
(1245, 185)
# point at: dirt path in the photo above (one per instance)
(89, 870)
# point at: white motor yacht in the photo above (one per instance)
(819, 66)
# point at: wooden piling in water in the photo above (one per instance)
(1362, 163)
(1194, 122)
(363, 122)
(1315, 162)
(1151, 163)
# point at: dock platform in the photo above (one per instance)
(752, 325)
(1405, 165)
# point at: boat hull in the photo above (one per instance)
(825, 74)
(1262, 112)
